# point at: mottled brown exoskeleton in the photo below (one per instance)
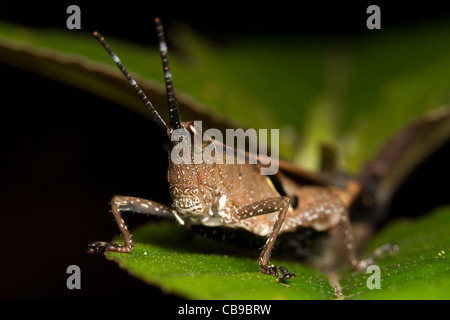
(232, 195)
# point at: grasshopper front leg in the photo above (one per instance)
(121, 204)
(280, 204)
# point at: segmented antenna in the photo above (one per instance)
(153, 113)
(174, 112)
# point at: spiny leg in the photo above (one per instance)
(349, 243)
(121, 204)
(352, 191)
(348, 238)
(278, 204)
(391, 248)
(264, 258)
(327, 211)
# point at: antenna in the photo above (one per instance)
(153, 113)
(174, 112)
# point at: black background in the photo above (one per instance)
(134, 20)
(65, 152)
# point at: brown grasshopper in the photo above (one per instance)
(233, 195)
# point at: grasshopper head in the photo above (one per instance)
(184, 167)
(190, 197)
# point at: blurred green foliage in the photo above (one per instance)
(353, 92)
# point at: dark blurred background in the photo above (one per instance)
(65, 152)
(134, 20)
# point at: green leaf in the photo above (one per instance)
(420, 270)
(199, 268)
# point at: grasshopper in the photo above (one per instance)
(233, 195)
